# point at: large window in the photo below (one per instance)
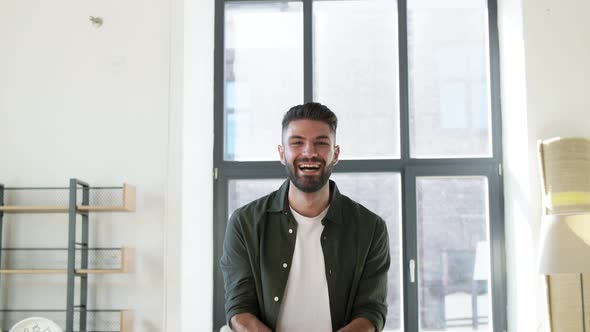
(414, 84)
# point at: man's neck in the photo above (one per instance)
(309, 204)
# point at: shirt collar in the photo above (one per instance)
(280, 202)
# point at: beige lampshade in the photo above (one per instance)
(565, 174)
(565, 244)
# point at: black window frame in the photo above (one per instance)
(409, 168)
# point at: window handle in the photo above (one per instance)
(412, 271)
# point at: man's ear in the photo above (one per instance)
(281, 150)
(336, 154)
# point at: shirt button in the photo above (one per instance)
(324, 238)
(276, 299)
(285, 265)
(290, 231)
(330, 272)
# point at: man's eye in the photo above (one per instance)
(322, 143)
(296, 143)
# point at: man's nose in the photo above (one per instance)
(309, 149)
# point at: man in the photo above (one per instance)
(306, 258)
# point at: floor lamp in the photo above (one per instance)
(565, 247)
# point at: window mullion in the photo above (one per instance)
(307, 51)
(497, 226)
(218, 81)
(410, 251)
(497, 251)
(494, 50)
(220, 225)
(409, 236)
(220, 184)
(403, 80)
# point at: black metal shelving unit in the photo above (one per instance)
(77, 260)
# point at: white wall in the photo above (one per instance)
(523, 308)
(197, 232)
(558, 66)
(92, 103)
(545, 56)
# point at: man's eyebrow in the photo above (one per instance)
(301, 137)
(296, 137)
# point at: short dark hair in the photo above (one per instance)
(311, 111)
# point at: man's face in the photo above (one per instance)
(309, 153)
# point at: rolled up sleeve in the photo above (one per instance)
(371, 299)
(240, 289)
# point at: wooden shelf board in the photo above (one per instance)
(33, 209)
(62, 209)
(126, 321)
(127, 205)
(127, 260)
(129, 197)
(38, 271)
(61, 271)
(93, 208)
(99, 271)
(127, 264)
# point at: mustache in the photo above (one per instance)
(307, 160)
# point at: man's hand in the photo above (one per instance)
(247, 322)
(359, 325)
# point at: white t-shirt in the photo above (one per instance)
(306, 304)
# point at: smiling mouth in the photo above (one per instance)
(309, 167)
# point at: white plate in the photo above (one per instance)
(35, 324)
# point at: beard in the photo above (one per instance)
(309, 183)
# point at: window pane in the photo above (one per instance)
(381, 193)
(242, 192)
(449, 79)
(356, 74)
(263, 75)
(453, 255)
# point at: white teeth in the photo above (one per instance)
(309, 166)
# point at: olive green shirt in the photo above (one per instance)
(260, 239)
